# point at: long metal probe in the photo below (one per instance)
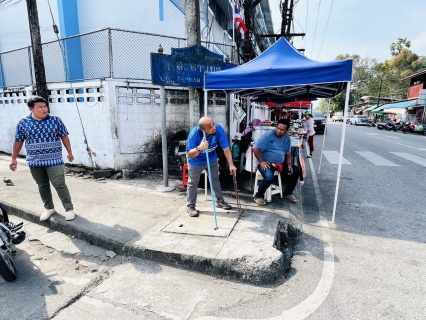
(211, 184)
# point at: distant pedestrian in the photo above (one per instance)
(43, 134)
(310, 132)
(197, 149)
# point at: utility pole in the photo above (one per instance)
(39, 71)
(286, 22)
(193, 37)
(380, 90)
(248, 52)
(287, 18)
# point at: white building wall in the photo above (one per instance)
(94, 112)
(134, 15)
(122, 120)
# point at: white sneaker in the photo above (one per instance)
(46, 214)
(69, 215)
(302, 183)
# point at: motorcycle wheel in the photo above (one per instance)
(7, 268)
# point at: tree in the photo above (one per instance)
(365, 73)
(401, 66)
(368, 73)
(396, 47)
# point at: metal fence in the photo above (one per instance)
(107, 53)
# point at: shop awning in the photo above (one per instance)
(371, 108)
(398, 105)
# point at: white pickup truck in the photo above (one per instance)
(337, 117)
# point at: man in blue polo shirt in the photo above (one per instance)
(43, 134)
(196, 150)
(274, 147)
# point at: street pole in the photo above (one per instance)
(380, 90)
(164, 138)
(165, 187)
(193, 37)
(39, 71)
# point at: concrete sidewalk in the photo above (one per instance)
(130, 217)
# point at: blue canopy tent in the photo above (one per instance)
(283, 74)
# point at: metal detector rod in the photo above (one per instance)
(211, 184)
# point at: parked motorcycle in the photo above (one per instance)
(371, 123)
(9, 236)
(390, 125)
(408, 127)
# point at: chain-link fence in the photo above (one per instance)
(107, 53)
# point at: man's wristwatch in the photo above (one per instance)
(198, 149)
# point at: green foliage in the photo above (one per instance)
(396, 47)
(402, 65)
(423, 59)
(371, 77)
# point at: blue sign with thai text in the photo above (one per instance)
(185, 67)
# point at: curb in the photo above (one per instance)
(68, 228)
(245, 268)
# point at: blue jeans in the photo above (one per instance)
(268, 179)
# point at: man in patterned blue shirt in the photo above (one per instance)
(43, 134)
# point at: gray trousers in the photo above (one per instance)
(55, 175)
(194, 178)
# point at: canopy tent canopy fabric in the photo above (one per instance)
(371, 108)
(397, 105)
(282, 74)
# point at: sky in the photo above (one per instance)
(363, 27)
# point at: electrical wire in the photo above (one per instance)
(306, 23)
(55, 29)
(325, 29)
(316, 24)
(8, 5)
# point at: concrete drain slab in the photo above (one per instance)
(204, 224)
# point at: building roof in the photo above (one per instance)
(381, 98)
(419, 73)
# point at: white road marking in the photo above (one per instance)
(383, 135)
(411, 157)
(333, 157)
(394, 142)
(375, 159)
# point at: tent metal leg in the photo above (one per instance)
(342, 145)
